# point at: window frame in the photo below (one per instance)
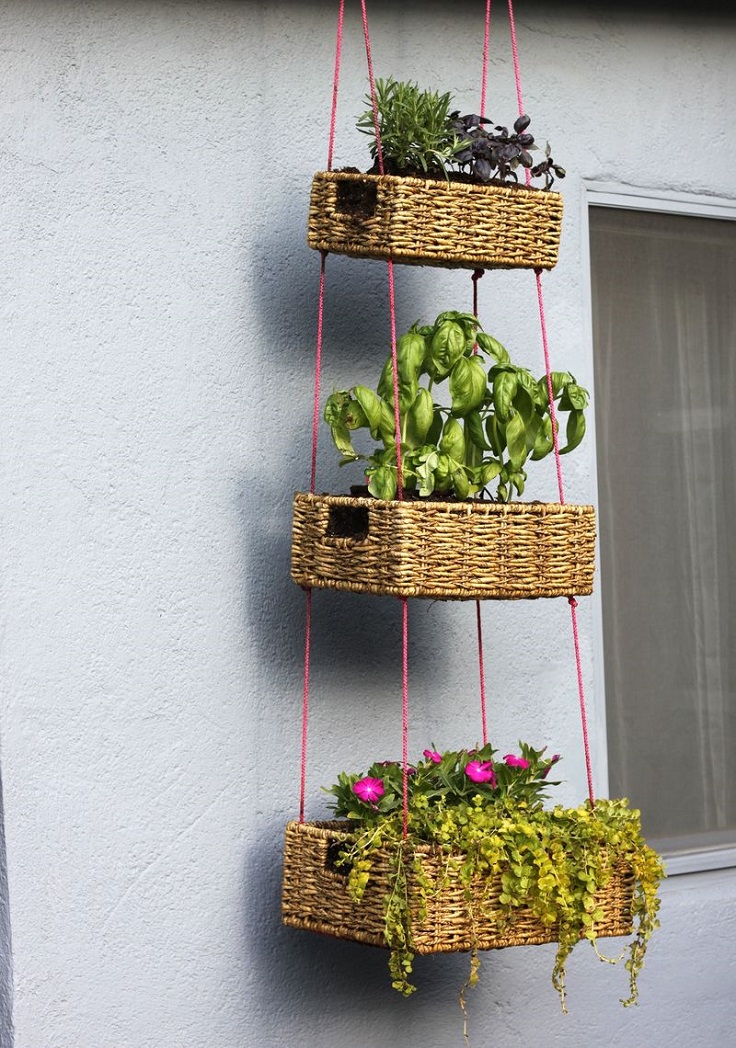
(679, 858)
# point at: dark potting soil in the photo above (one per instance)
(452, 176)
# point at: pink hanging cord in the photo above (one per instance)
(481, 673)
(318, 372)
(405, 711)
(477, 274)
(517, 74)
(555, 441)
(305, 705)
(391, 289)
(372, 82)
(335, 82)
(560, 488)
(397, 430)
(484, 78)
(315, 428)
(550, 388)
(581, 693)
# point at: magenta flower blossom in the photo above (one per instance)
(369, 790)
(434, 756)
(480, 771)
(516, 762)
(553, 760)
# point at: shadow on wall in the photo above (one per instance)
(6, 971)
(280, 384)
(356, 640)
(314, 980)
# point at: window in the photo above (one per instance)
(664, 339)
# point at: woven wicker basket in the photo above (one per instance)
(443, 550)
(315, 897)
(427, 222)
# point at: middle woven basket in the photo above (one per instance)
(474, 550)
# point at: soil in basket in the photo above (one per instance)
(361, 491)
(434, 176)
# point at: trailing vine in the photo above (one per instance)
(506, 849)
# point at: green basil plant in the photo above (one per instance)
(497, 421)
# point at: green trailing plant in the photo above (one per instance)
(488, 814)
(497, 421)
(422, 135)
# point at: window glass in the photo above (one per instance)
(664, 333)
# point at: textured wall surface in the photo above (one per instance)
(158, 309)
(6, 970)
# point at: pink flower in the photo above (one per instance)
(553, 760)
(433, 755)
(480, 771)
(516, 762)
(369, 790)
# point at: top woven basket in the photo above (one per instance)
(427, 222)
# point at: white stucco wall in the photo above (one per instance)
(157, 309)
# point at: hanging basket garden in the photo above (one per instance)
(475, 550)
(434, 222)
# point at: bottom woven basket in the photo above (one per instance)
(474, 550)
(315, 898)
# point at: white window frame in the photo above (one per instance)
(678, 858)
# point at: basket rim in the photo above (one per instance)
(413, 181)
(328, 829)
(437, 505)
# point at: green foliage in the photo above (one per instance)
(497, 421)
(555, 862)
(453, 777)
(420, 136)
(415, 127)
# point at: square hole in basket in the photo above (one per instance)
(348, 522)
(357, 198)
(332, 862)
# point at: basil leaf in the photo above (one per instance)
(467, 385)
(460, 483)
(447, 346)
(489, 471)
(504, 389)
(341, 438)
(493, 347)
(575, 431)
(453, 440)
(543, 442)
(371, 406)
(474, 431)
(383, 483)
(418, 419)
(516, 441)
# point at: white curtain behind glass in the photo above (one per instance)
(664, 315)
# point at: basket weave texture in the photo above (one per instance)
(428, 222)
(473, 550)
(315, 898)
